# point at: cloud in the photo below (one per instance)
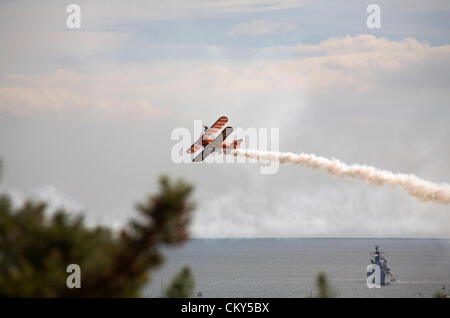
(60, 103)
(54, 199)
(364, 61)
(309, 211)
(72, 95)
(73, 42)
(43, 50)
(363, 43)
(136, 10)
(363, 64)
(259, 27)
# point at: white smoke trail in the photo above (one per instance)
(424, 190)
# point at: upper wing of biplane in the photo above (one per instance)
(215, 128)
(209, 134)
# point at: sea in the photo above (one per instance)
(272, 267)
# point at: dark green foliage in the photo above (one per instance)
(35, 249)
(182, 285)
(324, 288)
(440, 294)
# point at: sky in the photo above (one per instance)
(86, 115)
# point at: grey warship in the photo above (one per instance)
(379, 259)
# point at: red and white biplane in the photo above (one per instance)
(214, 140)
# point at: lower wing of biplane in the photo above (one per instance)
(214, 140)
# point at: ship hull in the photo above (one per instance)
(385, 277)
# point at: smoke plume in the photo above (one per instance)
(425, 191)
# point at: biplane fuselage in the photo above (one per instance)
(232, 145)
(213, 139)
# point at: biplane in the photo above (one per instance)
(214, 139)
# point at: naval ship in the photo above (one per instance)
(378, 258)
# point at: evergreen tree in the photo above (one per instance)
(440, 294)
(182, 285)
(35, 248)
(324, 288)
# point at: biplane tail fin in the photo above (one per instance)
(236, 144)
